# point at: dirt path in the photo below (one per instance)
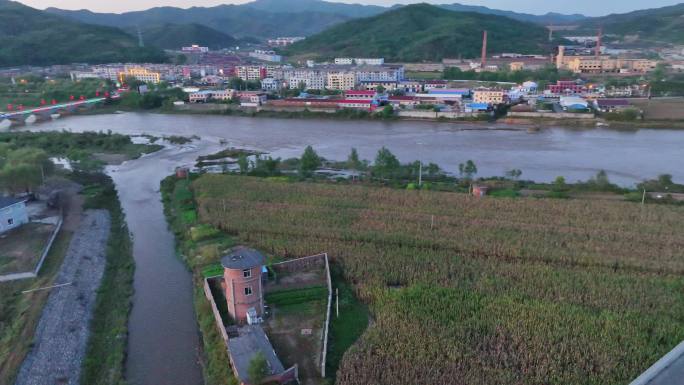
(62, 333)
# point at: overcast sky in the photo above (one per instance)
(587, 7)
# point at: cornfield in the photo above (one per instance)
(478, 291)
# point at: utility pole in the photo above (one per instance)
(337, 301)
(420, 164)
(643, 198)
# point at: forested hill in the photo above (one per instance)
(175, 36)
(423, 32)
(664, 24)
(32, 37)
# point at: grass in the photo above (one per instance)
(21, 248)
(508, 291)
(202, 257)
(346, 328)
(296, 296)
(106, 350)
(19, 313)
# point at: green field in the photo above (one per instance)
(504, 291)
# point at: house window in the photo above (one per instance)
(10, 221)
(248, 290)
(246, 273)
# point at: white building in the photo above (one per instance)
(312, 79)
(195, 49)
(250, 73)
(284, 41)
(379, 73)
(271, 84)
(359, 61)
(270, 56)
(13, 213)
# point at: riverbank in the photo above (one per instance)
(63, 332)
(335, 114)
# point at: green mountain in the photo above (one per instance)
(650, 25)
(175, 36)
(235, 20)
(423, 32)
(271, 18)
(30, 36)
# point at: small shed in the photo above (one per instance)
(13, 213)
(480, 190)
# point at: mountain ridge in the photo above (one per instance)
(422, 32)
(31, 36)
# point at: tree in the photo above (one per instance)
(467, 169)
(387, 112)
(386, 164)
(353, 161)
(380, 89)
(243, 163)
(258, 368)
(310, 161)
(514, 173)
(559, 184)
(24, 169)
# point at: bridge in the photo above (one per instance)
(47, 112)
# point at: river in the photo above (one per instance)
(163, 341)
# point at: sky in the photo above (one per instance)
(586, 7)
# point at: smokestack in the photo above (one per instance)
(598, 42)
(484, 50)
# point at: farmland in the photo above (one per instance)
(477, 291)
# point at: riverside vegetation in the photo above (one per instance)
(482, 290)
(19, 313)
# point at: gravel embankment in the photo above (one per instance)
(62, 332)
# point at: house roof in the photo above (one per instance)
(353, 92)
(243, 348)
(6, 201)
(243, 258)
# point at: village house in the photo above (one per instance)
(13, 213)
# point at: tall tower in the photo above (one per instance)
(483, 63)
(599, 37)
(242, 280)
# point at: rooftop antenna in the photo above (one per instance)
(483, 63)
(141, 43)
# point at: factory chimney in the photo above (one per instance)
(484, 50)
(598, 42)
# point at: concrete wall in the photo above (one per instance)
(551, 115)
(16, 214)
(39, 265)
(314, 261)
(427, 114)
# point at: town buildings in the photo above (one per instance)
(140, 73)
(341, 80)
(489, 96)
(269, 56)
(600, 63)
(195, 49)
(359, 61)
(284, 41)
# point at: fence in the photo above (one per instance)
(319, 260)
(39, 265)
